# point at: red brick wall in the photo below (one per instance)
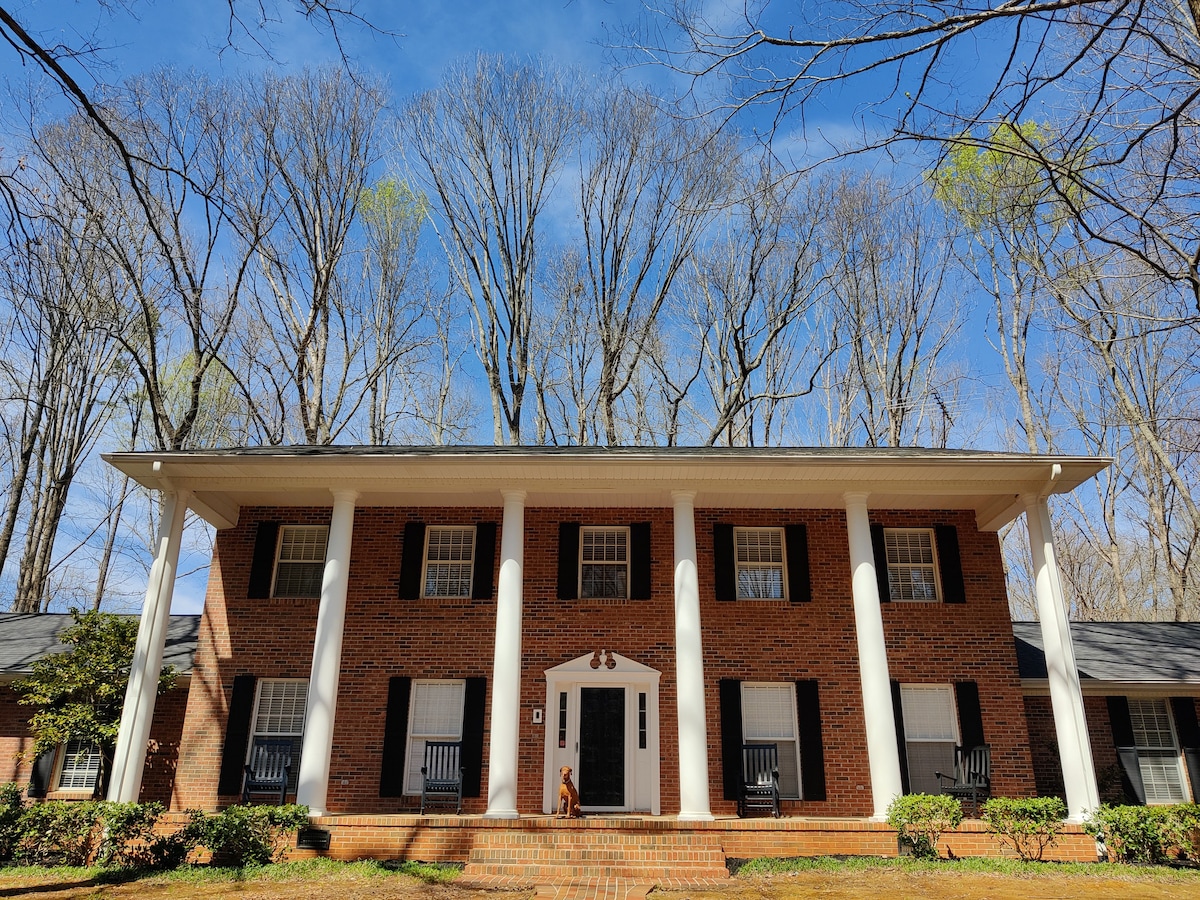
(165, 731)
(748, 640)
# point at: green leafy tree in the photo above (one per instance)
(79, 693)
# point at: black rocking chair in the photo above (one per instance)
(442, 775)
(269, 768)
(972, 778)
(760, 779)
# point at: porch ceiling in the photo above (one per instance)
(990, 484)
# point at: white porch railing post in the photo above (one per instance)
(882, 752)
(129, 756)
(689, 668)
(503, 746)
(312, 786)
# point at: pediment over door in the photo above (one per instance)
(602, 663)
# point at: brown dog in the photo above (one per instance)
(568, 797)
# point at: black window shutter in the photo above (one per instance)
(482, 587)
(1188, 730)
(471, 758)
(639, 561)
(970, 716)
(262, 564)
(799, 582)
(954, 590)
(812, 747)
(43, 771)
(568, 560)
(237, 735)
(879, 545)
(731, 736)
(412, 560)
(724, 570)
(395, 738)
(901, 742)
(1122, 732)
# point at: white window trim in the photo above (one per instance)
(955, 736)
(795, 739)
(737, 566)
(937, 569)
(279, 552)
(584, 529)
(1175, 751)
(410, 739)
(429, 530)
(60, 763)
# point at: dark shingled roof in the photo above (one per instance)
(1148, 652)
(26, 637)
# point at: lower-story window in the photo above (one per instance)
(930, 734)
(279, 712)
(769, 717)
(80, 766)
(435, 714)
(1157, 750)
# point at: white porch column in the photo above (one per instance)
(506, 663)
(882, 752)
(312, 786)
(689, 668)
(1066, 698)
(129, 757)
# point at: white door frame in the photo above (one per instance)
(604, 668)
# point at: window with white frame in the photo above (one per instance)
(758, 553)
(80, 766)
(300, 562)
(1158, 753)
(279, 713)
(449, 561)
(435, 714)
(911, 564)
(604, 563)
(769, 717)
(930, 734)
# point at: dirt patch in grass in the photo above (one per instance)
(825, 880)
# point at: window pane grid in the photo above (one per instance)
(437, 710)
(80, 768)
(281, 708)
(759, 554)
(604, 563)
(449, 562)
(769, 717)
(301, 561)
(912, 574)
(1158, 755)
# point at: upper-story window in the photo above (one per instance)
(449, 561)
(758, 554)
(300, 560)
(911, 564)
(604, 562)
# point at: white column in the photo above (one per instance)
(689, 668)
(129, 757)
(1066, 698)
(882, 752)
(506, 663)
(312, 786)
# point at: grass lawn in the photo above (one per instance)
(854, 879)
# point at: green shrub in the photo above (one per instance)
(1028, 825)
(920, 819)
(248, 835)
(56, 833)
(12, 808)
(1137, 834)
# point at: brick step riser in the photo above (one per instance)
(669, 858)
(551, 872)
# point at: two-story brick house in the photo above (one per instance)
(636, 614)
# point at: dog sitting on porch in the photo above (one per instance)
(568, 797)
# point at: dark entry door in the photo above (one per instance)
(602, 746)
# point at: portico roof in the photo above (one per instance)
(990, 484)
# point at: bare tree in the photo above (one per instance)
(895, 317)
(488, 145)
(747, 298)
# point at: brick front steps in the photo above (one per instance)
(656, 849)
